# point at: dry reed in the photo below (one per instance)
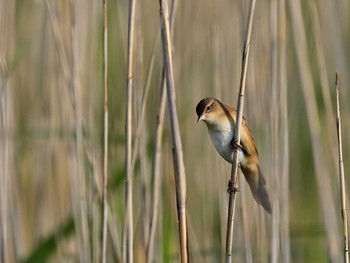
(159, 122)
(69, 67)
(79, 182)
(51, 60)
(156, 171)
(341, 176)
(282, 83)
(313, 116)
(128, 222)
(233, 184)
(179, 167)
(105, 133)
(7, 246)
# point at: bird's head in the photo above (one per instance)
(208, 110)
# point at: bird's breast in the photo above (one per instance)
(222, 140)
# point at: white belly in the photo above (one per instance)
(222, 141)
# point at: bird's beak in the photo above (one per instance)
(199, 118)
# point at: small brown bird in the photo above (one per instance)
(221, 122)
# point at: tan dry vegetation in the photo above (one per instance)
(51, 129)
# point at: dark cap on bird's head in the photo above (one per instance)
(203, 106)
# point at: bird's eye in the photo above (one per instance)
(208, 108)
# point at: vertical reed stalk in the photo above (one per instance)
(3, 146)
(157, 155)
(282, 77)
(58, 42)
(180, 176)
(79, 166)
(70, 78)
(156, 171)
(141, 118)
(6, 15)
(341, 175)
(274, 128)
(128, 223)
(137, 144)
(323, 75)
(233, 181)
(307, 84)
(111, 220)
(3, 162)
(105, 134)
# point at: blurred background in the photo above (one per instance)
(51, 98)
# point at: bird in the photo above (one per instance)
(221, 122)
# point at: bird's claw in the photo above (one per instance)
(232, 187)
(238, 146)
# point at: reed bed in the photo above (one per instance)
(55, 171)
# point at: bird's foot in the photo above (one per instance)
(238, 146)
(232, 187)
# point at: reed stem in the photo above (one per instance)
(105, 135)
(234, 178)
(179, 167)
(341, 175)
(128, 223)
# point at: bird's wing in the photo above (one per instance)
(247, 140)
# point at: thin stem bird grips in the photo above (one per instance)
(240, 104)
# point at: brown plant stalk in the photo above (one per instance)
(157, 154)
(105, 136)
(300, 38)
(234, 178)
(341, 175)
(128, 223)
(156, 172)
(79, 181)
(179, 166)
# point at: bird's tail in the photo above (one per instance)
(257, 184)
